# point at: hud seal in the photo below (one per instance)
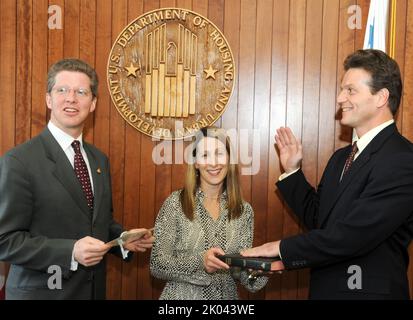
(170, 73)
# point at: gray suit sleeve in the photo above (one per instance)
(17, 245)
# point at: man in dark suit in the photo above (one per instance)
(56, 202)
(360, 218)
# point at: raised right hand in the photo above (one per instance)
(89, 251)
(291, 150)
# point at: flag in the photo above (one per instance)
(376, 29)
(2, 280)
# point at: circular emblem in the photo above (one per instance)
(170, 73)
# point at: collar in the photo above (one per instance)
(369, 136)
(65, 140)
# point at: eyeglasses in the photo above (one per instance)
(64, 91)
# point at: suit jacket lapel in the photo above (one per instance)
(354, 170)
(63, 170)
(97, 179)
(330, 184)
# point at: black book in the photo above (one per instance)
(256, 263)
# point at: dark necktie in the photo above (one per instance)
(350, 158)
(82, 174)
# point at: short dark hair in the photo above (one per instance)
(384, 71)
(75, 65)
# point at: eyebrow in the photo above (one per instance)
(347, 86)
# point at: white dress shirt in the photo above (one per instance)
(65, 141)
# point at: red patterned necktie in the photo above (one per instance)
(82, 174)
(350, 158)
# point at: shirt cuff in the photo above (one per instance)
(73, 264)
(285, 175)
(124, 251)
(279, 251)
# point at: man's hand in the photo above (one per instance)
(291, 150)
(211, 262)
(141, 244)
(269, 249)
(89, 251)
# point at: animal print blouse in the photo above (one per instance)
(180, 244)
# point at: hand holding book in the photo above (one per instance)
(264, 257)
(254, 263)
(212, 260)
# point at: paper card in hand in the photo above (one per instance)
(256, 263)
(128, 237)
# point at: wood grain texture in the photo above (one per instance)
(117, 160)
(8, 28)
(24, 69)
(39, 66)
(288, 55)
(275, 216)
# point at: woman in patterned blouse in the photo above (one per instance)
(206, 219)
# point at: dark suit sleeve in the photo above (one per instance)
(384, 205)
(301, 197)
(17, 245)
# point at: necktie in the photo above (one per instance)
(82, 174)
(350, 158)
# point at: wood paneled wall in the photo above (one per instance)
(289, 56)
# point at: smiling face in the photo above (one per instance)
(361, 109)
(69, 110)
(212, 162)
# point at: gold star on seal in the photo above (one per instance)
(210, 72)
(131, 70)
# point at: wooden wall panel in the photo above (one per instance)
(288, 56)
(278, 111)
(24, 69)
(263, 48)
(87, 45)
(294, 116)
(231, 30)
(132, 187)
(72, 28)
(311, 101)
(39, 66)
(8, 73)
(407, 113)
(246, 76)
(103, 43)
(117, 160)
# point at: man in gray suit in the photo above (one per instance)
(56, 202)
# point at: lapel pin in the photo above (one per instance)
(99, 171)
